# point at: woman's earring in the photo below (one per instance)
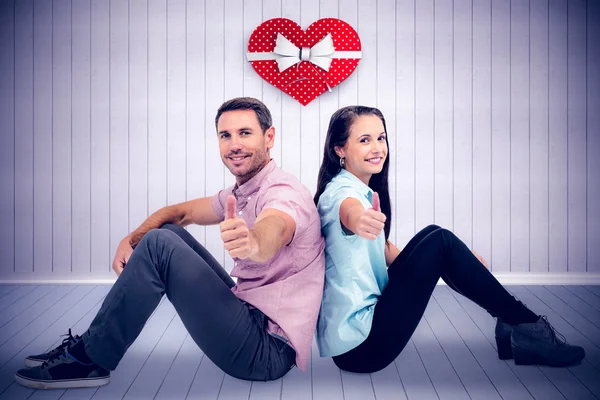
(342, 161)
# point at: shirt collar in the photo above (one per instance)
(252, 186)
(356, 183)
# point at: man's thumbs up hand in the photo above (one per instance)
(235, 234)
(230, 206)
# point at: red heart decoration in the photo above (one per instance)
(304, 81)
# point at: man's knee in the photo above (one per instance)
(156, 237)
(181, 232)
(173, 227)
(158, 244)
(150, 236)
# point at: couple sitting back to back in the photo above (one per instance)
(298, 267)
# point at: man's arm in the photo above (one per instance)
(197, 211)
(272, 230)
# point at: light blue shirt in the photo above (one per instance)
(355, 273)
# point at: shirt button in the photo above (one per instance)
(240, 213)
(249, 198)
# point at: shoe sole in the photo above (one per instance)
(29, 362)
(526, 357)
(63, 384)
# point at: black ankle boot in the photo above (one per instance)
(537, 343)
(503, 334)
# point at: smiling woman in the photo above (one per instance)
(369, 312)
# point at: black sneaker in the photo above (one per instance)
(63, 371)
(39, 359)
(538, 343)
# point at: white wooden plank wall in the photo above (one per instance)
(107, 114)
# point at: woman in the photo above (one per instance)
(369, 312)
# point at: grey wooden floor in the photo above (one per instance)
(451, 355)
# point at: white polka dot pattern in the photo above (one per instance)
(304, 81)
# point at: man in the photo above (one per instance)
(256, 329)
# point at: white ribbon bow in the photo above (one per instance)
(287, 54)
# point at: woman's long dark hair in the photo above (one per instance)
(337, 135)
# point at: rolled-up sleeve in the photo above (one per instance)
(285, 198)
(218, 202)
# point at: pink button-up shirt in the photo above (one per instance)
(288, 288)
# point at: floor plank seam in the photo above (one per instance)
(446, 355)
(467, 346)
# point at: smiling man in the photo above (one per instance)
(255, 329)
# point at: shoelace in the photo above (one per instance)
(557, 337)
(60, 350)
(562, 341)
(69, 338)
(55, 358)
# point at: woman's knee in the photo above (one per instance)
(442, 232)
(432, 227)
(428, 229)
(445, 237)
(438, 241)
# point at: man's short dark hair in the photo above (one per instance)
(247, 103)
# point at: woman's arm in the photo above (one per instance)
(481, 259)
(391, 252)
(365, 223)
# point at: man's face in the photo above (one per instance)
(244, 148)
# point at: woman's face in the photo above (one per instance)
(366, 148)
